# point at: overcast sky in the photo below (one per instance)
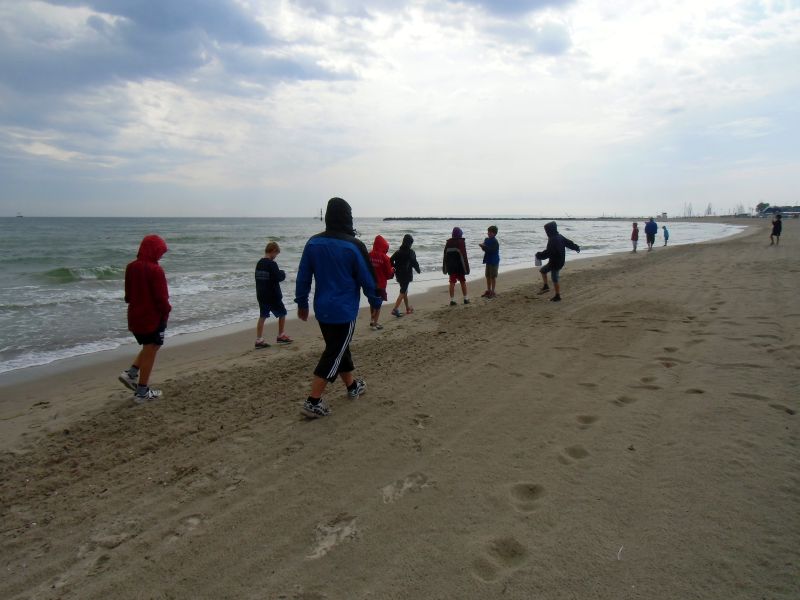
(470, 107)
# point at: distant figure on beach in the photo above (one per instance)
(404, 261)
(775, 236)
(635, 236)
(455, 264)
(339, 264)
(147, 296)
(556, 255)
(491, 258)
(382, 266)
(666, 234)
(650, 231)
(269, 295)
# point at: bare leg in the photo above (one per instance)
(318, 385)
(281, 325)
(557, 288)
(452, 288)
(544, 278)
(347, 378)
(464, 288)
(145, 362)
(260, 327)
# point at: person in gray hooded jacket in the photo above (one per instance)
(555, 253)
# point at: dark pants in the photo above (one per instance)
(336, 357)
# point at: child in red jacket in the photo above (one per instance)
(147, 296)
(379, 256)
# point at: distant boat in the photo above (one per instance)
(320, 215)
(19, 215)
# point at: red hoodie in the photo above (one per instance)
(146, 288)
(380, 262)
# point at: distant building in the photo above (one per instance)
(663, 216)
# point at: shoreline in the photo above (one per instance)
(30, 373)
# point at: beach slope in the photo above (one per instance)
(637, 440)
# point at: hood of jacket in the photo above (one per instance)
(339, 216)
(457, 233)
(407, 241)
(380, 245)
(152, 248)
(551, 229)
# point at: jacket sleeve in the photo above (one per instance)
(161, 295)
(571, 245)
(302, 287)
(366, 278)
(388, 268)
(444, 260)
(393, 260)
(414, 262)
(463, 248)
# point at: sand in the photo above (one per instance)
(638, 440)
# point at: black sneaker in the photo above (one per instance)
(556, 298)
(545, 289)
(315, 411)
(358, 389)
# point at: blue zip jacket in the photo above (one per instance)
(339, 266)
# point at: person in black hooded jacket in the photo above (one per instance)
(555, 254)
(404, 261)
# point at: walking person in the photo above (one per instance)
(650, 231)
(147, 295)
(555, 254)
(775, 236)
(404, 261)
(339, 265)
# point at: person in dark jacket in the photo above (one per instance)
(340, 267)
(775, 236)
(455, 264)
(147, 296)
(269, 295)
(650, 231)
(404, 261)
(555, 254)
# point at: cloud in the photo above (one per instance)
(513, 8)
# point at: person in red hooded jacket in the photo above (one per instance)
(147, 296)
(379, 257)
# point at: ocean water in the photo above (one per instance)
(61, 279)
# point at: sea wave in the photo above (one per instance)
(73, 274)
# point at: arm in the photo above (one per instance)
(463, 248)
(414, 262)
(572, 245)
(302, 286)
(366, 279)
(161, 295)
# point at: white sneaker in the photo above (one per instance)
(149, 394)
(128, 381)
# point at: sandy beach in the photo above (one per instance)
(638, 440)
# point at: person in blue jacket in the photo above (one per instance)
(650, 230)
(556, 255)
(339, 264)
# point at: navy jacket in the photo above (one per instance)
(556, 247)
(268, 281)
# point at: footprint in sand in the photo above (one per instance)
(412, 483)
(786, 409)
(421, 420)
(695, 391)
(500, 556)
(185, 526)
(588, 384)
(327, 535)
(646, 386)
(575, 452)
(524, 496)
(585, 421)
(624, 400)
(547, 375)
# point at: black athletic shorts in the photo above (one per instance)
(336, 357)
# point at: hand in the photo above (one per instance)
(578, 250)
(302, 314)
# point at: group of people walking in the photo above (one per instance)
(650, 231)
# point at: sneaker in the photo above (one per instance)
(452, 302)
(284, 339)
(409, 310)
(360, 388)
(466, 300)
(148, 395)
(396, 312)
(315, 411)
(556, 298)
(261, 343)
(486, 294)
(545, 289)
(128, 381)
(377, 327)
(372, 326)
